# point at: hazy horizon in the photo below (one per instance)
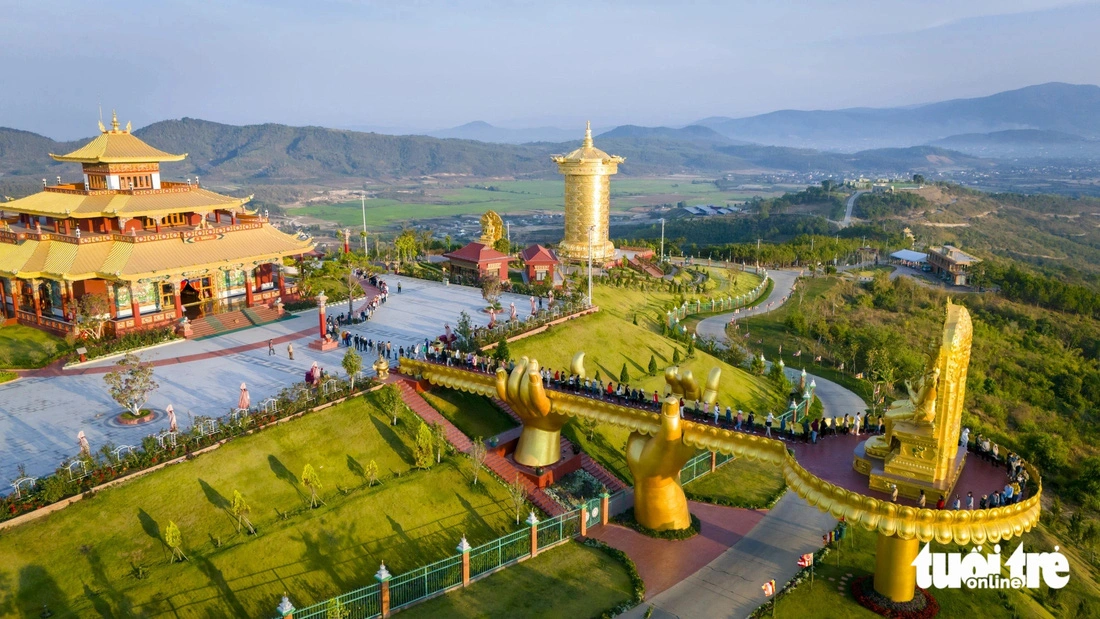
(430, 66)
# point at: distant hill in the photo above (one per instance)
(1023, 143)
(691, 133)
(484, 132)
(1065, 108)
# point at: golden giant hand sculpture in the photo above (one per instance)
(540, 442)
(655, 461)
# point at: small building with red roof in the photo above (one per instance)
(540, 264)
(477, 260)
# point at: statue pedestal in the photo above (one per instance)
(324, 345)
(909, 473)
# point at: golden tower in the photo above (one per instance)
(587, 172)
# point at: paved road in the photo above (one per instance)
(847, 221)
(729, 586)
(715, 327)
(40, 416)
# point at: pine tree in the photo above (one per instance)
(675, 356)
(757, 366)
(500, 353)
(652, 366)
(423, 453)
(635, 321)
(624, 376)
(691, 348)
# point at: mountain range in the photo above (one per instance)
(1045, 121)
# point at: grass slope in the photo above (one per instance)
(739, 483)
(473, 414)
(83, 559)
(570, 580)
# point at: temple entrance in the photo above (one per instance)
(198, 297)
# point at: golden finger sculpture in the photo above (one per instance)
(655, 462)
(682, 384)
(540, 441)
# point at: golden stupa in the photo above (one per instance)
(587, 172)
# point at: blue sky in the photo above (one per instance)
(423, 65)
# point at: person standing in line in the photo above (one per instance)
(855, 424)
(270, 347)
(717, 410)
(941, 503)
(923, 500)
(893, 493)
(970, 500)
(956, 504)
(290, 351)
(813, 431)
(768, 421)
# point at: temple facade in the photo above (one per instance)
(157, 250)
(587, 171)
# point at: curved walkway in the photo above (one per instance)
(714, 327)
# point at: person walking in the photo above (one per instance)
(270, 347)
(740, 420)
(717, 410)
(893, 493)
(923, 500)
(768, 421)
(941, 503)
(813, 431)
(856, 424)
(290, 351)
(970, 500)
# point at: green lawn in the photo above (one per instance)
(26, 347)
(611, 341)
(570, 580)
(625, 303)
(83, 559)
(473, 414)
(739, 483)
(1079, 598)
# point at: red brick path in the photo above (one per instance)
(663, 563)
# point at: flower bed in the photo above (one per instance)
(922, 606)
(90, 471)
(130, 341)
(575, 488)
(627, 520)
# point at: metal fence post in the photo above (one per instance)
(383, 577)
(534, 523)
(285, 608)
(464, 548)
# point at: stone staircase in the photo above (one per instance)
(215, 324)
(498, 465)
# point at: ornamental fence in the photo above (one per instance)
(487, 336)
(425, 582)
(717, 304)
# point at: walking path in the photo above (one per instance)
(41, 413)
(714, 327)
(847, 221)
(729, 585)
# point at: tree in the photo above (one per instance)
(757, 365)
(652, 368)
(372, 473)
(423, 452)
(465, 332)
(92, 313)
(490, 288)
(352, 363)
(918, 179)
(691, 348)
(337, 610)
(132, 383)
(675, 356)
(624, 376)
(517, 491)
(241, 509)
(478, 453)
(439, 437)
(447, 242)
(405, 245)
(313, 482)
(502, 245)
(500, 353)
(390, 399)
(174, 540)
(589, 426)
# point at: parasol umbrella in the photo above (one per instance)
(172, 427)
(245, 401)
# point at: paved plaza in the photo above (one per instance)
(41, 414)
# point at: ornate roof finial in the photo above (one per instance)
(588, 134)
(114, 121)
(128, 127)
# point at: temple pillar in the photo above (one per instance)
(112, 301)
(895, 575)
(282, 282)
(56, 226)
(248, 287)
(36, 296)
(233, 218)
(4, 300)
(135, 307)
(66, 299)
(176, 299)
(68, 228)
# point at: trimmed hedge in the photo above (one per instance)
(626, 519)
(636, 582)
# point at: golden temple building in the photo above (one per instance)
(587, 172)
(158, 250)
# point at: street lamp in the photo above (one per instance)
(591, 232)
(363, 199)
